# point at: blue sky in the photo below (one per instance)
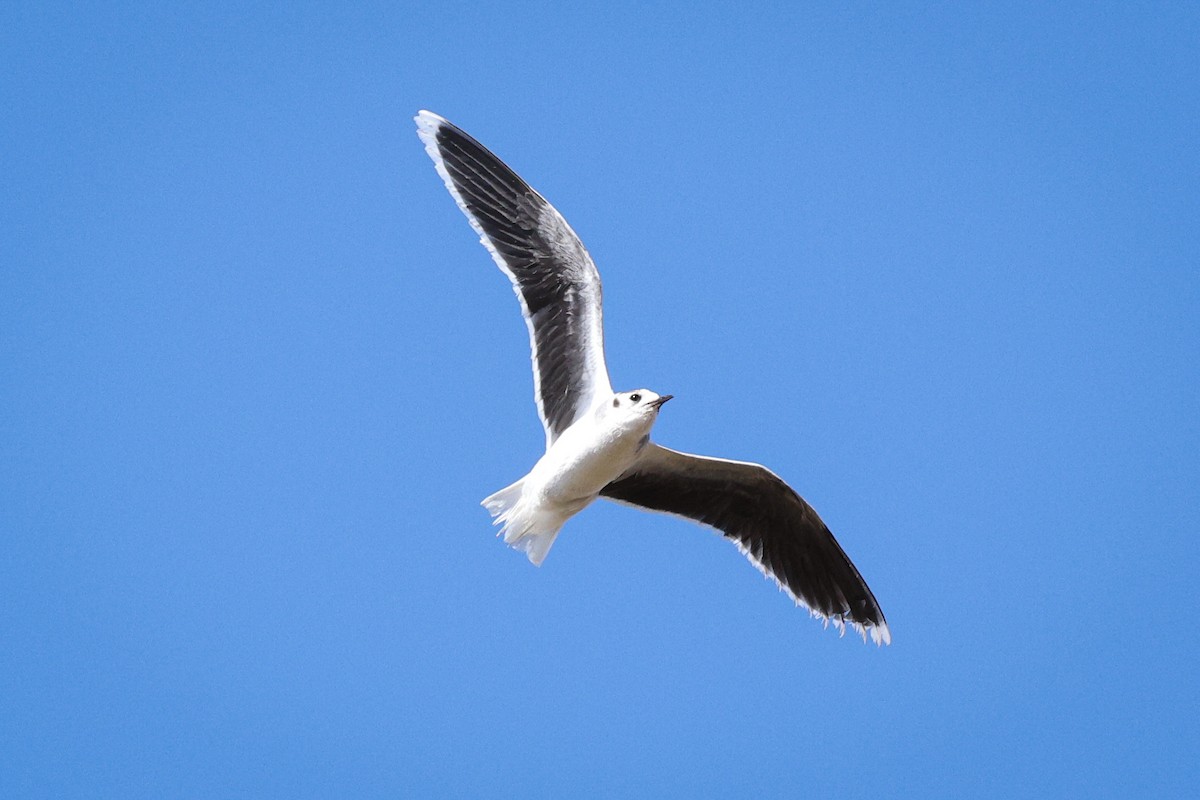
(936, 265)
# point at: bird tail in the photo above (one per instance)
(525, 526)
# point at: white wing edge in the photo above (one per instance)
(427, 127)
(428, 124)
(880, 634)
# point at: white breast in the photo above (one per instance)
(585, 458)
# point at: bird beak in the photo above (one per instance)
(658, 403)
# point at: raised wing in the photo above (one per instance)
(771, 524)
(551, 271)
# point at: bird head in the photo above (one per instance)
(639, 406)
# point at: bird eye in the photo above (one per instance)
(616, 402)
(635, 397)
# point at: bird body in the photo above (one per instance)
(589, 455)
(597, 440)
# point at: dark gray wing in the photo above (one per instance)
(769, 522)
(550, 270)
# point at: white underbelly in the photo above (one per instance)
(577, 467)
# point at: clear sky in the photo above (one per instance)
(938, 266)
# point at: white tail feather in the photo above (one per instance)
(525, 526)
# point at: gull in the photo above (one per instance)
(597, 440)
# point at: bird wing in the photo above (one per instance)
(771, 524)
(551, 272)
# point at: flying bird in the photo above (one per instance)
(597, 440)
